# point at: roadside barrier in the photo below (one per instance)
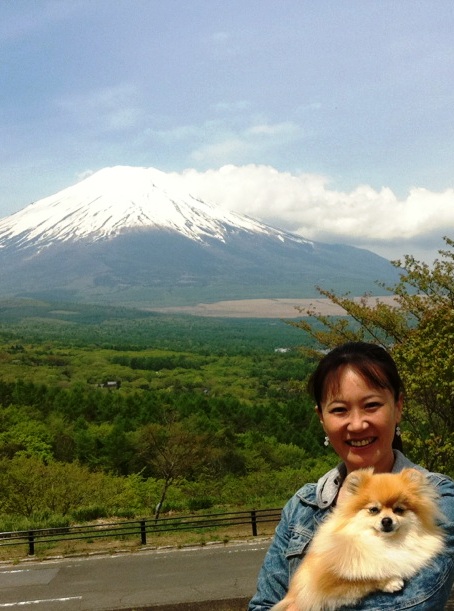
(141, 528)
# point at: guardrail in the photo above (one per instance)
(142, 528)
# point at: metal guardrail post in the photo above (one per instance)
(31, 543)
(254, 522)
(143, 532)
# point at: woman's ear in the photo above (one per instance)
(399, 407)
(319, 413)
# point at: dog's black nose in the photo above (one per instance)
(387, 524)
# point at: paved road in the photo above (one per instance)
(125, 581)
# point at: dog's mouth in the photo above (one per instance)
(360, 443)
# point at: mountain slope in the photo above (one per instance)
(118, 199)
(129, 236)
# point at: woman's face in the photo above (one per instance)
(360, 421)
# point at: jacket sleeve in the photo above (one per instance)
(293, 534)
(273, 579)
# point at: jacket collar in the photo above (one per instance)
(328, 485)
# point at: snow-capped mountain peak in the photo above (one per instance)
(119, 199)
(132, 236)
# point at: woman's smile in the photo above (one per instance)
(360, 443)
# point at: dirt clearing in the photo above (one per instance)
(265, 308)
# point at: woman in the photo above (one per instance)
(359, 396)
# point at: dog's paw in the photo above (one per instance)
(393, 585)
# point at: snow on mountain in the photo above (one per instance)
(118, 199)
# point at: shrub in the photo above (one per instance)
(87, 514)
(197, 504)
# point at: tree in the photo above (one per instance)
(23, 485)
(31, 487)
(22, 433)
(418, 329)
(172, 452)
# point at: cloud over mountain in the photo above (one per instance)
(307, 205)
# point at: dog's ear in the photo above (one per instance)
(413, 476)
(418, 483)
(356, 479)
(419, 487)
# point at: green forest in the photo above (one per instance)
(108, 412)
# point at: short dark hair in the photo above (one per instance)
(371, 361)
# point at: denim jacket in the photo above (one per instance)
(427, 591)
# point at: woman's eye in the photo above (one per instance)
(337, 410)
(373, 404)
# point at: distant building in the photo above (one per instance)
(110, 384)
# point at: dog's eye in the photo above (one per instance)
(399, 510)
(374, 510)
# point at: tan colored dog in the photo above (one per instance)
(382, 531)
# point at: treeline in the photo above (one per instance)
(102, 428)
(155, 363)
(127, 329)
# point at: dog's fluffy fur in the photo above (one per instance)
(382, 531)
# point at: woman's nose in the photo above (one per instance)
(357, 422)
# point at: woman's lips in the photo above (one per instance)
(360, 443)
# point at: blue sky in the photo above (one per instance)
(334, 119)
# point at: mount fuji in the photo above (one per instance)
(131, 236)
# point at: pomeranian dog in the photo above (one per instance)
(382, 531)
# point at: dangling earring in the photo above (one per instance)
(398, 431)
(326, 442)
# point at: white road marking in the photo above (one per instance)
(38, 602)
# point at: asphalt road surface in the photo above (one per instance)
(134, 580)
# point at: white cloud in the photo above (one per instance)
(229, 147)
(231, 107)
(223, 44)
(84, 174)
(222, 141)
(227, 140)
(172, 135)
(306, 204)
(108, 108)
